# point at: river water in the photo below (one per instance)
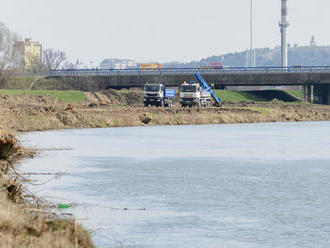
(214, 186)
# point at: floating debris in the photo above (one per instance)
(63, 206)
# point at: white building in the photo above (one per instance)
(118, 64)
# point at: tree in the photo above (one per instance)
(54, 60)
(9, 56)
(33, 63)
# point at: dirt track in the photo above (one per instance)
(114, 108)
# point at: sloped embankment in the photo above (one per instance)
(230, 96)
(23, 223)
(132, 98)
(269, 95)
(113, 108)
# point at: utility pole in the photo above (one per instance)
(251, 59)
(284, 26)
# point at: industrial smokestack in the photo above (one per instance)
(284, 25)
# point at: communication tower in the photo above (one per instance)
(284, 26)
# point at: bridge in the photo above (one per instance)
(314, 79)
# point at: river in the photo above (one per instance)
(212, 186)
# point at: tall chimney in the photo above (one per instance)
(284, 25)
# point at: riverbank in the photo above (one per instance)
(30, 112)
(29, 223)
(23, 223)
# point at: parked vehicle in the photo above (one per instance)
(197, 94)
(206, 100)
(149, 66)
(216, 65)
(158, 95)
(190, 94)
(212, 66)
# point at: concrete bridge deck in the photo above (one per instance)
(219, 77)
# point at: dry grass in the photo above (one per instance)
(119, 108)
(22, 227)
(8, 144)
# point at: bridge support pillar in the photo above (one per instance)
(322, 94)
(307, 92)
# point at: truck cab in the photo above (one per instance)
(153, 95)
(158, 95)
(190, 94)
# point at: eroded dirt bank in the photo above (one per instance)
(113, 109)
(26, 222)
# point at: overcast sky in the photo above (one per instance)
(167, 30)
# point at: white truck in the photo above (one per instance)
(158, 95)
(192, 94)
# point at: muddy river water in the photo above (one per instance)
(214, 186)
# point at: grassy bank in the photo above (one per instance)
(69, 96)
(237, 96)
(35, 83)
(30, 223)
(21, 83)
(296, 93)
(258, 95)
(75, 96)
(45, 110)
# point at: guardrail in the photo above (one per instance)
(184, 71)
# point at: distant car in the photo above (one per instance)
(212, 66)
(216, 65)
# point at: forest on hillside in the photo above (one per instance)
(304, 56)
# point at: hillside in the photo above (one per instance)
(304, 55)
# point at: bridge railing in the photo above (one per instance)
(184, 71)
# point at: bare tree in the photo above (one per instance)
(54, 59)
(9, 57)
(68, 65)
(33, 63)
